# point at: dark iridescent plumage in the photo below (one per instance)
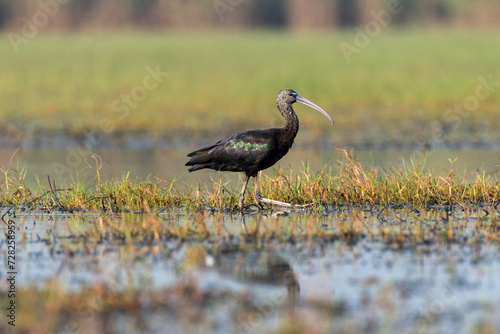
(253, 151)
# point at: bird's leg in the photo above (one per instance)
(242, 194)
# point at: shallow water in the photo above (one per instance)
(283, 265)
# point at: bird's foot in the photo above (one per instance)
(247, 208)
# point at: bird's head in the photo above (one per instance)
(289, 96)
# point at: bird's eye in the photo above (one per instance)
(293, 94)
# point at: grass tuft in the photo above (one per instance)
(349, 184)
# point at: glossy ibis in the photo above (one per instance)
(252, 151)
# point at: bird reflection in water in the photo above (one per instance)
(262, 267)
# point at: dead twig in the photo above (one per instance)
(53, 192)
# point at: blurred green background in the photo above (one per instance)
(389, 72)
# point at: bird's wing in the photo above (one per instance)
(240, 150)
(248, 148)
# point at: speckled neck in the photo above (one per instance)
(289, 131)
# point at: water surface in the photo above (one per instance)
(361, 270)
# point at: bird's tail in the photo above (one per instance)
(196, 167)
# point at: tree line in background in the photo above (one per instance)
(295, 14)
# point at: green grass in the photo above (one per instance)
(396, 89)
(347, 184)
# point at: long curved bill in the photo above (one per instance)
(308, 103)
